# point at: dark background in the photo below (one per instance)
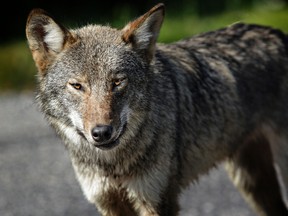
(14, 13)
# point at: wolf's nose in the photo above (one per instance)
(102, 133)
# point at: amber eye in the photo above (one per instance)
(77, 86)
(119, 84)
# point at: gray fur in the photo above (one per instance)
(177, 110)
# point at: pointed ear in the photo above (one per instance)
(46, 38)
(142, 33)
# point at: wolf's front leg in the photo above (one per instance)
(167, 207)
(160, 201)
(115, 203)
(118, 203)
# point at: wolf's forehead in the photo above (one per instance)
(99, 44)
(97, 34)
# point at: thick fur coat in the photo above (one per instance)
(143, 120)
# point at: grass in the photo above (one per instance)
(17, 70)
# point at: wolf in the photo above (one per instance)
(143, 120)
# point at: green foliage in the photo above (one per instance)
(17, 70)
(175, 28)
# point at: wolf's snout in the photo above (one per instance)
(102, 133)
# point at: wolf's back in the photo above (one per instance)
(253, 57)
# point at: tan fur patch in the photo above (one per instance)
(97, 112)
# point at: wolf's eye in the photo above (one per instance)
(77, 86)
(119, 84)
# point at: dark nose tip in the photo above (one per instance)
(102, 133)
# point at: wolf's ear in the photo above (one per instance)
(46, 38)
(143, 32)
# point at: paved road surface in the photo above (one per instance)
(36, 177)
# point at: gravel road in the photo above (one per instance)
(36, 177)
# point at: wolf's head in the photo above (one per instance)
(94, 81)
